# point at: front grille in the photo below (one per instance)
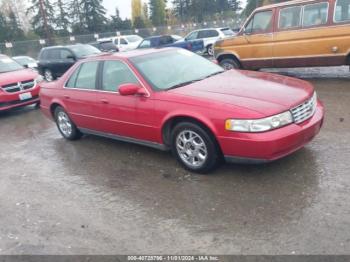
(19, 86)
(305, 110)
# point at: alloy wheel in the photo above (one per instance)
(64, 124)
(191, 148)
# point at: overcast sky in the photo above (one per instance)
(125, 6)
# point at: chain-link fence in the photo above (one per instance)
(32, 47)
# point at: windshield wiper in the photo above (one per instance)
(193, 81)
(183, 84)
(213, 74)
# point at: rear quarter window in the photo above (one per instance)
(342, 11)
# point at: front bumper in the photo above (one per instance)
(271, 145)
(11, 100)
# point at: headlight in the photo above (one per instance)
(259, 125)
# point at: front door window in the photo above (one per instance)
(260, 23)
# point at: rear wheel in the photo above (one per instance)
(195, 148)
(48, 75)
(229, 64)
(65, 125)
(210, 50)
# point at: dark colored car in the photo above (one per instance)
(54, 61)
(196, 46)
(105, 46)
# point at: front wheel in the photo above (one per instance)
(195, 148)
(229, 64)
(65, 125)
(48, 75)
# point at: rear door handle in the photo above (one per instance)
(104, 101)
(66, 97)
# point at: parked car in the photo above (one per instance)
(54, 61)
(18, 85)
(125, 42)
(210, 36)
(172, 41)
(290, 34)
(26, 61)
(196, 109)
(105, 46)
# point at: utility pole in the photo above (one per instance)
(43, 14)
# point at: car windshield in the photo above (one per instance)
(8, 65)
(227, 32)
(133, 38)
(84, 50)
(174, 68)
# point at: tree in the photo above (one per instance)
(43, 18)
(77, 17)
(94, 15)
(16, 33)
(158, 12)
(136, 9)
(4, 30)
(62, 17)
(116, 23)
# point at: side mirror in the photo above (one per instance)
(131, 89)
(71, 57)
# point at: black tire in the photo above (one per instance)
(48, 75)
(210, 50)
(74, 134)
(37, 105)
(230, 63)
(212, 149)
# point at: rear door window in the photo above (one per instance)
(342, 11)
(315, 14)
(53, 54)
(261, 22)
(290, 17)
(65, 54)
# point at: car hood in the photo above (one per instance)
(265, 93)
(17, 76)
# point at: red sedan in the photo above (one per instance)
(18, 85)
(174, 99)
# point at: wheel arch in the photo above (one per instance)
(53, 107)
(223, 56)
(172, 121)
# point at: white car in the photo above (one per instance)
(210, 36)
(26, 61)
(125, 42)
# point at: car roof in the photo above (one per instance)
(61, 46)
(133, 53)
(285, 4)
(156, 36)
(22, 56)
